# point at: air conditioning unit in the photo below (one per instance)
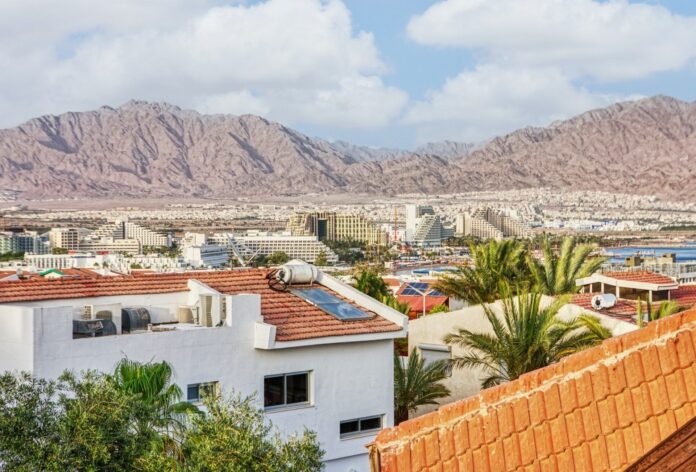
(87, 312)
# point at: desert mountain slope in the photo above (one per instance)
(158, 150)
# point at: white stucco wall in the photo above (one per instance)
(349, 380)
(463, 383)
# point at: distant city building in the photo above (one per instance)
(123, 229)
(26, 242)
(424, 228)
(488, 223)
(332, 226)
(306, 248)
(67, 238)
(108, 244)
(198, 250)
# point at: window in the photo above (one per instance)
(196, 392)
(437, 352)
(286, 389)
(360, 426)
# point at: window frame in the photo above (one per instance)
(285, 405)
(199, 400)
(361, 432)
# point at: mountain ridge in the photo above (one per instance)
(159, 150)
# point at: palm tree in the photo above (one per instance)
(393, 302)
(665, 309)
(159, 400)
(556, 273)
(495, 263)
(417, 383)
(371, 283)
(525, 338)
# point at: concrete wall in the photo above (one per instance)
(466, 382)
(349, 380)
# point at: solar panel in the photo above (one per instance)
(331, 304)
(419, 288)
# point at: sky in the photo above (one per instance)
(389, 73)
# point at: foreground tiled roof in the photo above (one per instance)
(643, 276)
(294, 318)
(601, 409)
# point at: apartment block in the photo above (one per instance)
(332, 226)
(316, 356)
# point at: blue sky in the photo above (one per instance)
(389, 73)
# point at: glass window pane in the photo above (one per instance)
(297, 386)
(273, 391)
(348, 427)
(368, 424)
(192, 393)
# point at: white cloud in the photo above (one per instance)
(534, 54)
(611, 40)
(492, 100)
(296, 60)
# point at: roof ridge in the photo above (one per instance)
(612, 351)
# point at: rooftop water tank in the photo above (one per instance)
(605, 300)
(297, 272)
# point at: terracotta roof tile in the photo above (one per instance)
(295, 319)
(641, 276)
(600, 409)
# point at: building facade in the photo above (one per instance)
(308, 368)
(332, 226)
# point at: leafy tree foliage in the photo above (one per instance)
(133, 420)
(417, 383)
(556, 273)
(525, 338)
(495, 263)
(321, 260)
(234, 436)
(278, 258)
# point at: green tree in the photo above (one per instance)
(417, 383)
(71, 424)
(525, 338)
(149, 384)
(321, 260)
(59, 250)
(234, 436)
(557, 272)
(441, 308)
(278, 258)
(393, 302)
(664, 309)
(369, 281)
(494, 264)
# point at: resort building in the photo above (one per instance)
(306, 248)
(23, 242)
(488, 223)
(317, 353)
(332, 226)
(123, 229)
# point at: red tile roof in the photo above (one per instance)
(600, 409)
(416, 302)
(643, 276)
(294, 318)
(623, 310)
(685, 295)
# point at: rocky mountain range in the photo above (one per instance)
(158, 150)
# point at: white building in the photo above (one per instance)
(427, 333)
(123, 229)
(205, 255)
(309, 368)
(306, 248)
